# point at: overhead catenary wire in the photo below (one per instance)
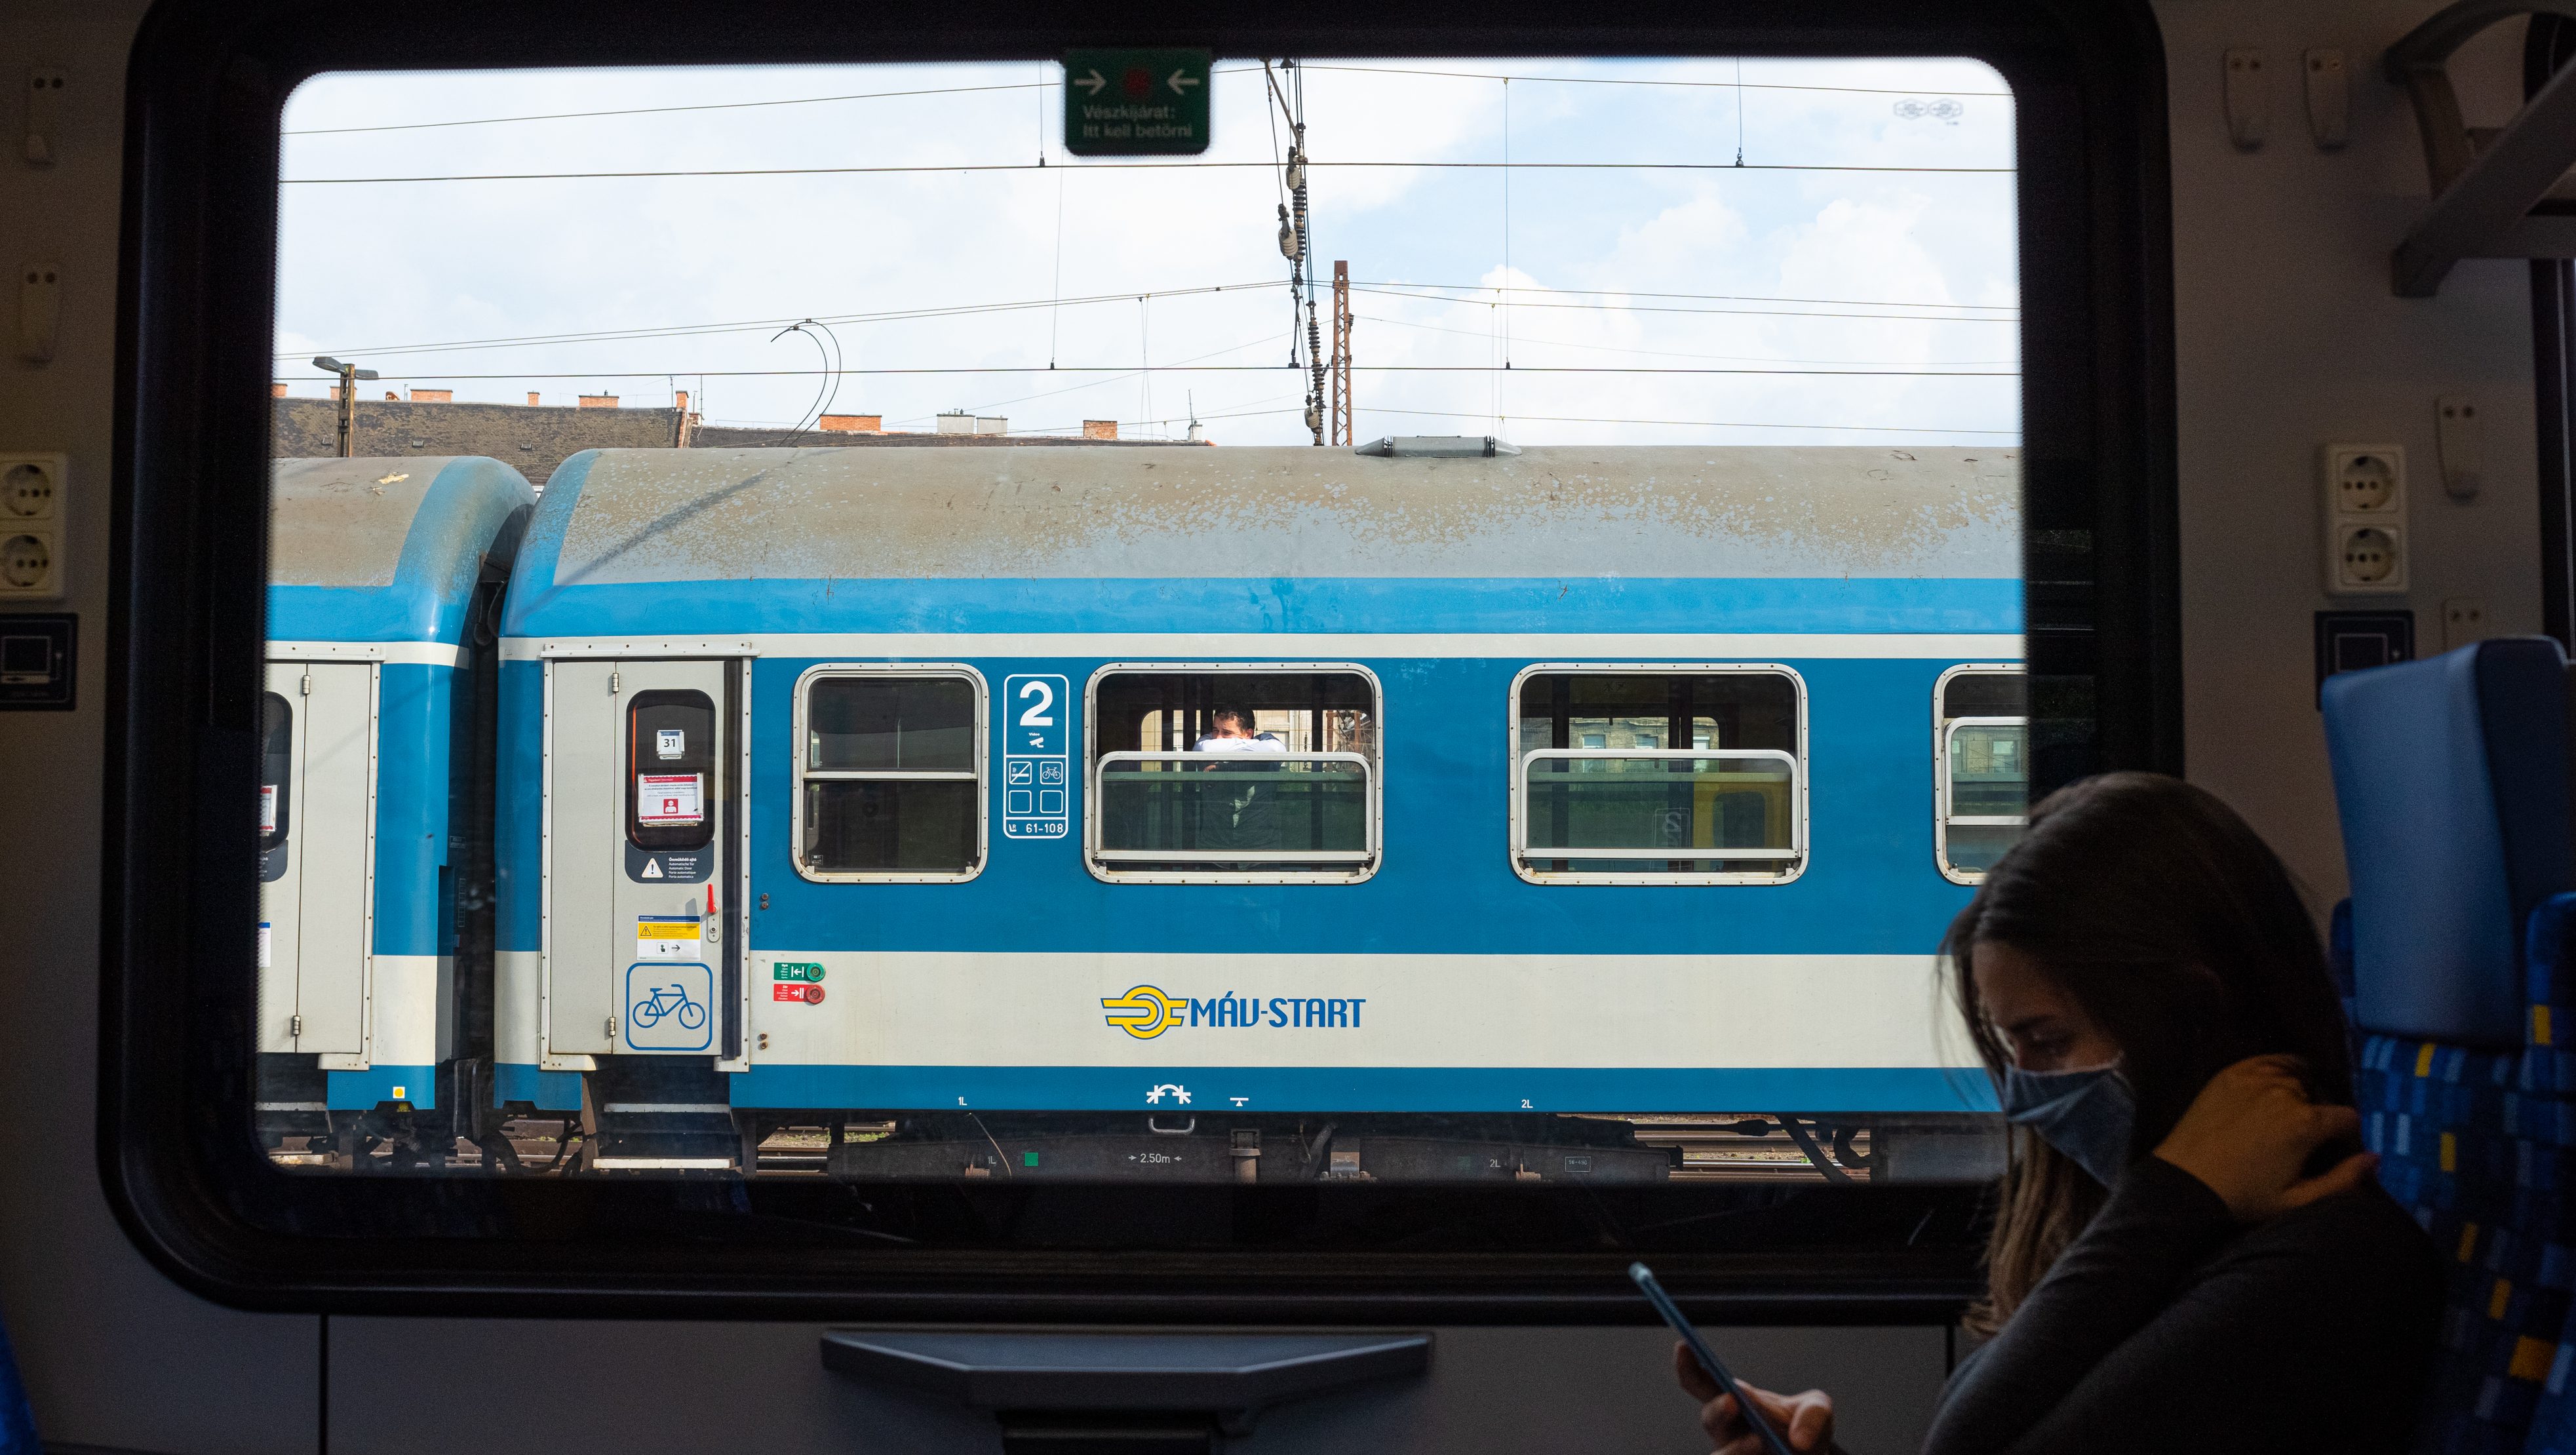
(1713, 423)
(1738, 84)
(1201, 369)
(1090, 166)
(757, 325)
(1392, 289)
(1673, 353)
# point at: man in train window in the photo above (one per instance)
(1241, 814)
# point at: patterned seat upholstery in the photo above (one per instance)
(2451, 780)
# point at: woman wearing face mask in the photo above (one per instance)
(2189, 1253)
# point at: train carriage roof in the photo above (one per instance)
(385, 549)
(784, 529)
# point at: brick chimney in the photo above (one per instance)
(433, 396)
(335, 392)
(853, 423)
(1100, 429)
(277, 391)
(684, 401)
(532, 399)
(599, 401)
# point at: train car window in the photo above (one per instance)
(1982, 769)
(1227, 774)
(675, 931)
(1658, 775)
(889, 786)
(670, 785)
(276, 769)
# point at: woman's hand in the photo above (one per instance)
(2252, 1129)
(1806, 1419)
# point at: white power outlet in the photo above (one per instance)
(31, 521)
(2365, 519)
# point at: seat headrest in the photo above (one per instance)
(2451, 779)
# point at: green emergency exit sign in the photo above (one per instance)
(1135, 103)
(795, 970)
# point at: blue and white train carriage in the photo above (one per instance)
(383, 575)
(1581, 779)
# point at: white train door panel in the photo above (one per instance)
(318, 832)
(638, 812)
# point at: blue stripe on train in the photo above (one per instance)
(414, 748)
(1446, 884)
(546, 1090)
(362, 1090)
(1367, 1088)
(1274, 604)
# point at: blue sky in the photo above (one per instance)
(1624, 288)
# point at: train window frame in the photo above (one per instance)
(198, 215)
(1800, 820)
(800, 772)
(1321, 876)
(1942, 726)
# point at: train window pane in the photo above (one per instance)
(1602, 771)
(1601, 805)
(670, 770)
(857, 826)
(1245, 771)
(1174, 807)
(890, 786)
(1983, 794)
(1044, 446)
(276, 768)
(915, 723)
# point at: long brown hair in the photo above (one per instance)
(2179, 932)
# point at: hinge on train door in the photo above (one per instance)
(612, 1030)
(305, 687)
(612, 684)
(295, 1025)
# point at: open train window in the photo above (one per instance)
(276, 769)
(670, 780)
(1658, 775)
(1234, 772)
(888, 782)
(1981, 767)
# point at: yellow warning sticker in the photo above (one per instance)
(666, 937)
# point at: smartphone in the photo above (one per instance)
(1644, 1278)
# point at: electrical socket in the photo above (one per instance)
(30, 565)
(32, 508)
(2364, 488)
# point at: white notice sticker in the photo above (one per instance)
(666, 937)
(263, 944)
(667, 798)
(268, 808)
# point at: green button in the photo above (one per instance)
(796, 970)
(1129, 102)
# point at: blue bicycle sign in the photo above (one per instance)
(668, 1000)
(669, 1007)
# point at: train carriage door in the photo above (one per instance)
(317, 813)
(641, 804)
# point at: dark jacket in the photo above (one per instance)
(2169, 1328)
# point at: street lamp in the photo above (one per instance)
(349, 374)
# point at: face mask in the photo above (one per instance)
(2087, 1115)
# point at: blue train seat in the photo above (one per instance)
(2451, 780)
